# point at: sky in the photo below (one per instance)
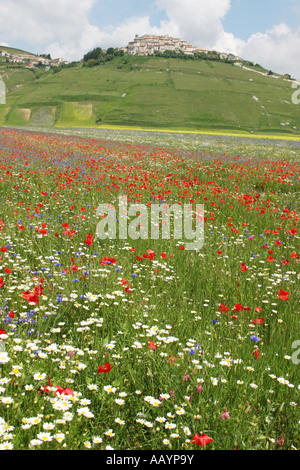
(263, 31)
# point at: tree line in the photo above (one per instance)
(99, 56)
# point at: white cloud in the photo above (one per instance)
(197, 21)
(41, 22)
(91, 36)
(276, 49)
(62, 27)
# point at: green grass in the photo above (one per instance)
(13, 50)
(84, 317)
(15, 76)
(159, 93)
(19, 117)
(76, 112)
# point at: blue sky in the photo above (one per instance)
(116, 11)
(248, 17)
(245, 17)
(264, 31)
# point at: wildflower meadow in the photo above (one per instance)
(138, 343)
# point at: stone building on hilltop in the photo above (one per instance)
(148, 44)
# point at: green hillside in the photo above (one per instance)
(13, 50)
(15, 76)
(150, 92)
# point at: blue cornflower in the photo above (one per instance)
(192, 351)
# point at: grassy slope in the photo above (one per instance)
(157, 93)
(13, 50)
(15, 77)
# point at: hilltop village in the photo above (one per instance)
(150, 44)
(30, 60)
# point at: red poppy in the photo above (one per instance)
(152, 346)
(256, 353)
(69, 232)
(38, 290)
(106, 368)
(285, 262)
(59, 390)
(106, 260)
(67, 391)
(150, 255)
(30, 297)
(243, 267)
(2, 331)
(1, 282)
(75, 268)
(223, 308)
(283, 295)
(62, 391)
(258, 320)
(238, 307)
(89, 239)
(201, 439)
